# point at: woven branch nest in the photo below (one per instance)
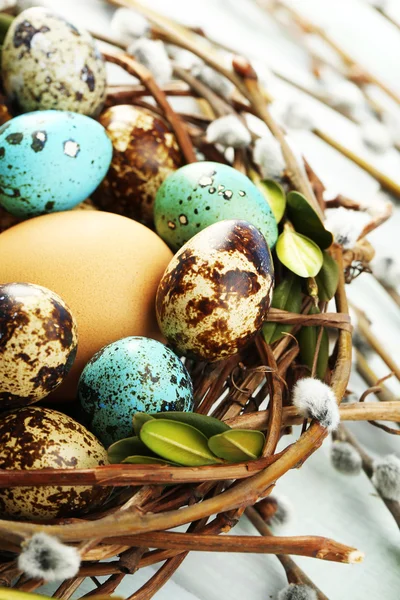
(142, 504)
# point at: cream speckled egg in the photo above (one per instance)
(216, 291)
(48, 63)
(39, 438)
(38, 343)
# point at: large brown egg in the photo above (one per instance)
(145, 152)
(216, 291)
(105, 267)
(40, 438)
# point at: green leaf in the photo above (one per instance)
(147, 460)
(237, 445)
(328, 278)
(139, 419)
(298, 253)
(307, 338)
(118, 451)
(306, 221)
(209, 426)
(287, 296)
(273, 194)
(178, 442)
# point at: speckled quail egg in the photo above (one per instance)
(200, 194)
(135, 374)
(216, 291)
(50, 161)
(39, 438)
(38, 343)
(145, 153)
(47, 62)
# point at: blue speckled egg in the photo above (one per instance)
(134, 374)
(203, 193)
(50, 161)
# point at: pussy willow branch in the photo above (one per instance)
(376, 345)
(367, 464)
(310, 27)
(293, 573)
(370, 377)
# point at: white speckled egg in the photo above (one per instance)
(48, 63)
(216, 291)
(38, 343)
(39, 438)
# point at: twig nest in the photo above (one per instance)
(316, 400)
(228, 131)
(386, 477)
(295, 591)
(216, 291)
(376, 136)
(346, 225)
(129, 24)
(145, 152)
(152, 54)
(345, 458)
(267, 154)
(218, 83)
(387, 270)
(45, 557)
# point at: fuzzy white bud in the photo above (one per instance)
(296, 591)
(295, 115)
(218, 83)
(268, 156)
(183, 58)
(284, 511)
(316, 400)
(45, 557)
(386, 477)
(343, 94)
(22, 5)
(129, 24)
(376, 136)
(387, 270)
(228, 131)
(345, 458)
(153, 55)
(346, 225)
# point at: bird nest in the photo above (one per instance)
(250, 390)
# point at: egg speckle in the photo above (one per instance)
(50, 161)
(216, 291)
(38, 343)
(135, 374)
(40, 438)
(145, 153)
(200, 194)
(47, 62)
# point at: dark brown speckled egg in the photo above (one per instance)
(40, 438)
(216, 291)
(38, 343)
(145, 152)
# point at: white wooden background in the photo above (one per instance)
(325, 503)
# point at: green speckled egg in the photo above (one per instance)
(203, 193)
(134, 374)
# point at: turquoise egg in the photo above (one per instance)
(134, 374)
(204, 193)
(50, 161)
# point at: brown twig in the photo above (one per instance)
(293, 573)
(134, 68)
